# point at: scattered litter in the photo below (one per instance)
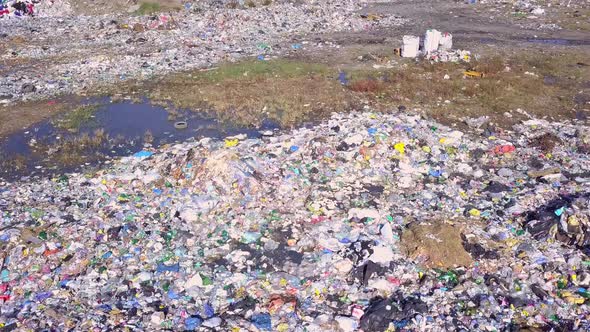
(437, 230)
(143, 154)
(181, 125)
(473, 74)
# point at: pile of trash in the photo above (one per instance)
(436, 46)
(42, 8)
(111, 49)
(365, 221)
(17, 8)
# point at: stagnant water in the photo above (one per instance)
(115, 129)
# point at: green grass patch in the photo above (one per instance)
(148, 8)
(291, 91)
(73, 120)
(248, 92)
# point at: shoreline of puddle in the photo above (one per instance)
(116, 129)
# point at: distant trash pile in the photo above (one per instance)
(9, 8)
(27, 8)
(436, 46)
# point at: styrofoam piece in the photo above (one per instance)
(446, 42)
(410, 45)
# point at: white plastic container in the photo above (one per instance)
(410, 45)
(431, 40)
(446, 42)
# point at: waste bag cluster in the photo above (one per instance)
(365, 221)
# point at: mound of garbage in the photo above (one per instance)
(366, 221)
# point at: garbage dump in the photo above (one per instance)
(114, 49)
(363, 222)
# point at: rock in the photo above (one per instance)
(133, 8)
(544, 172)
(138, 27)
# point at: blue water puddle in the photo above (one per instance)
(127, 125)
(562, 42)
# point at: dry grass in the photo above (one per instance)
(19, 116)
(248, 93)
(509, 83)
(232, 4)
(367, 86)
(574, 19)
(16, 162)
(293, 91)
(74, 151)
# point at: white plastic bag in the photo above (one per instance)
(446, 42)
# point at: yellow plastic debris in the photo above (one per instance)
(575, 299)
(229, 143)
(283, 282)
(475, 212)
(473, 74)
(400, 147)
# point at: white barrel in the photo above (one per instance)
(410, 45)
(446, 42)
(431, 40)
